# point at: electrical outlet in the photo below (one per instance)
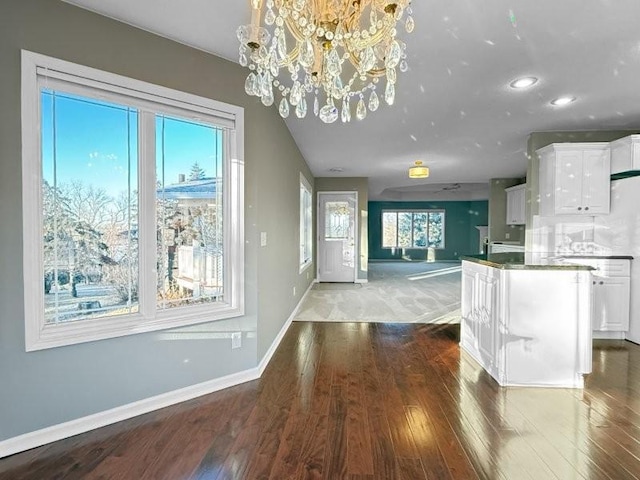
(263, 239)
(236, 340)
(507, 236)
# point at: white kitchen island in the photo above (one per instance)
(527, 322)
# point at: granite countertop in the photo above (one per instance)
(523, 261)
(597, 257)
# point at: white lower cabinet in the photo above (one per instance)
(611, 297)
(611, 282)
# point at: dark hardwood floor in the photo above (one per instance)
(371, 401)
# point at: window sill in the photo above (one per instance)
(72, 333)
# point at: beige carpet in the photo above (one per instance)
(397, 292)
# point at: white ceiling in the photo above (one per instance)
(454, 109)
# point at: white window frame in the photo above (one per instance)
(412, 210)
(306, 225)
(80, 79)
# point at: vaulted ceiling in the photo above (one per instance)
(454, 109)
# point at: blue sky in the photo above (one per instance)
(94, 142)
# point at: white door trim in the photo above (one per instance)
(356, 237)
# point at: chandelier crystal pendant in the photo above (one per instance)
(335, 52)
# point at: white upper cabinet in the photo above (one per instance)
(515, 204)
(575, 179)
(625, 154)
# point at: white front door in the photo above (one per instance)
(337, 237)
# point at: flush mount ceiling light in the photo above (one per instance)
(524, 82)
(418, 171)
(332, 51)
(562, 101)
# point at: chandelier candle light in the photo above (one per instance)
(334, 51)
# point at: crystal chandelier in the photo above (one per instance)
(334, 52)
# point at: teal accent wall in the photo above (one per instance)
(461, 234)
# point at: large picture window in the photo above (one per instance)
(413, 229)
(133, 214)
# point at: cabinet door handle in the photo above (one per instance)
(586, 208)
(601, 282)
(594, 282)
(579, 208)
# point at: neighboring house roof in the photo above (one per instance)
(190, 189)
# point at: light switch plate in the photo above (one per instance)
(263, 239)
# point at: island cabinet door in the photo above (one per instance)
(469, 309)
(487, 295)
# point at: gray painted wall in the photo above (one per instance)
(47, 387)
(538, 140)
(360, 185)
(498, 227)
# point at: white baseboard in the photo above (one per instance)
(43, 436)
(68, 429)
(605, 335)
(361, 280)
(274, 345)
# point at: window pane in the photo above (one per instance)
(89, 171)
(308, 209)
(337, 220)
(389, 229)
(420, 229)
(436, 230)
(404, 229)
(305, 225)
(189, 162)
(302, 226)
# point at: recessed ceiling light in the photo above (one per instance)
(523, 82)
(562, 101)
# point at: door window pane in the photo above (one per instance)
(189, 212)
(337, 220)
(89, 200)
